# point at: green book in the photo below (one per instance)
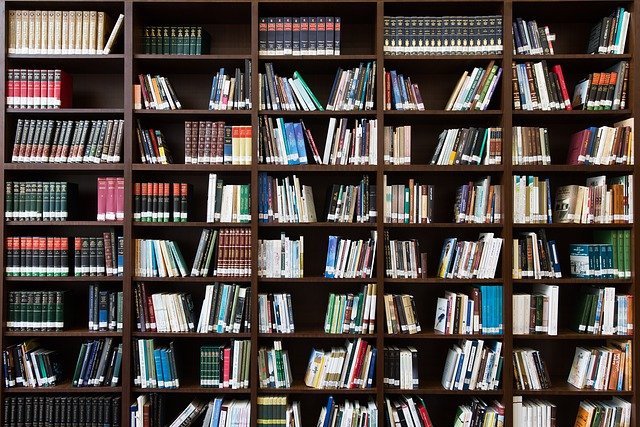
(79, 363)
(37, 310)
(296, 75)
(119, 314)
(329, 316)
(166, 41)
(627, 253)
(59, 310)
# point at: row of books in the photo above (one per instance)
(442, 35)
(609, 35)
(401, 368)
(274, 369)
(232, 253)
(35, 311)
(479, 311)
(231, 93)
(400, 314)
(154, 367)
(468, 146)
(29, 365)
(283, 257)
(602, 201)
(478, 202)
(61, 32)
(275, 314)
(473, 365)
(282, 93)
(353, 203)
(29, 88)
(37, 256)
(352, 313)
(348, 367)
(163, 312)
(225, 366)
(110, 199)
(226, 309)
(67, 141)
(98, 365)
(99, 256)
(536, 412)
(600, 311)
(403, 259)
(160, 202)
(348, 258)
(607, 260)
(64, 409)
(469, 259)
(532, 200)
(36, 200)
(276, 410)
(406, 411)
(158, 258)
(227, 202)
(355, 145)
(154, 93)
(354, 414)
(605, 90)
(531, 39)
(284, 143)
(475, 89)
(602, 145)
(535, 257)
(410, 204)
(207, 142)
(537, 312)
(478, 412)
(400, 94)
(299, 36)
(175, 40)
(353, 89)
(530, 146)
(529, 370)
(537, 88)
(285, 200)
(154, 148)
(603, 368)
(397, 145)
(106, 309)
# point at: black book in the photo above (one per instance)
(262, 36)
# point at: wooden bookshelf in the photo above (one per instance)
(102, 90)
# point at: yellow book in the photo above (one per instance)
(13, 28)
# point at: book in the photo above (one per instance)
(98, 365)
(602, 368)
(473, 365)
(531, 39)
(470, 259)
(226, 309)
(274, 369)
(530, 146)
(283, 257)
(352, 313)
(400, 94)
(400, 314)
(36, 311)
(227, 202)
(354, 413)
(347, 258)
(397, 145)
(526, 412)
(348, 367)
(478, 202)
(154, 366)
(442, 35)
(401, 368)
(536, 312)
(175, 40)
(602, 145)
(285, 36)
(600, 310)
(476, 311)
(275, 314)
(163, 312)
(225, 366)
(67, 141)
(38, 200)
(531, 200)
(286, 143)
(606, 260)
(28, 364)
(155, 93)
(64, 408)
(353, 89)
(609, 35)
(223, 253)
(535, 257)
(105, 309)
(154, 148)
(468, 146)
(161, 201)
(411, 204)
(39, 89)
(158, 258)
(475, 89)
(285, 93)
(37, 256)
(356, 145)
(530, 370)
(285, 200)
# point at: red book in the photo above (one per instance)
(36, 89)
(50, 89)
(23, 88)
(387, 90)
(102, 199)
(30, 99)
(577, 147)
(226, 370)
(62, 89)
(110, 211)
(155, 155)
(120, 199)
(152, 314)
(10, 95)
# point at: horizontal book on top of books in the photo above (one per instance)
(348, 367)
(175, 40)
(154, 366)
(603, 145)
(62, 32)
(468, 146)
(299, 35)
(475, 89)
(27, 364)
(603, 368)
(275, 314)
(352, 313)
(609, 35)
(67, 141)
(274, 369)
(442, 35)
(473, 365)
(36, 311)
(529, 369)
(225, 366)
(283, 257)
(36, 408)
(160, 201)
(531, 39)
(535, 257)
(536, 312)
(407, 409)
(347, 258)
(154, 92)
(28, 88)
(285, 200)
(37, 200)
(99, 363)
(231, 92)
(478, 311)
(208, 142)
(354, 413)
(600, 310)
(470, 260)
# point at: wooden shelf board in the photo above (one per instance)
(189, 168)
(190, 335)
(66, 167)
(71, 223)
(70, 279)
(62, 388)
(194, 224)
(67, 333)
(189, 279)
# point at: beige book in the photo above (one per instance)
(71, 43)
(79, 32)
(85, 32)
(57, 35)
(100, 32)
(44, 31)
(64, 42)
(32, 32)
(114, 33)
(24, 37)
(51, 34)
(37, 29)
(456, 91)
(93, 24)
(13, 29)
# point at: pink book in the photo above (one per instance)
(102, 199)
(120, 199)
(575, 156)
(111, 199)
(226, 372)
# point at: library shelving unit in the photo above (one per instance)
(103, 89)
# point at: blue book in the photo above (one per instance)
(593, 135)
(90, 362)
(292, 148)
(212, 96)
(594, 261)
(329, 271)
(166, 369)
(500, 310)
(91, 314)
(367, 76)
(157, 357)
(456, 377)
(223, 304)
(217, 408)
(403, 91)
(327, 417)
(299, 137)
(396, 101)
(218, 95)
(372, 367)
(553, 250)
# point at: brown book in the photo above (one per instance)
(201, 142)
(187, 141)
(219, 144)
(13, 29)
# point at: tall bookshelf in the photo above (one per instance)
(102, 89)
